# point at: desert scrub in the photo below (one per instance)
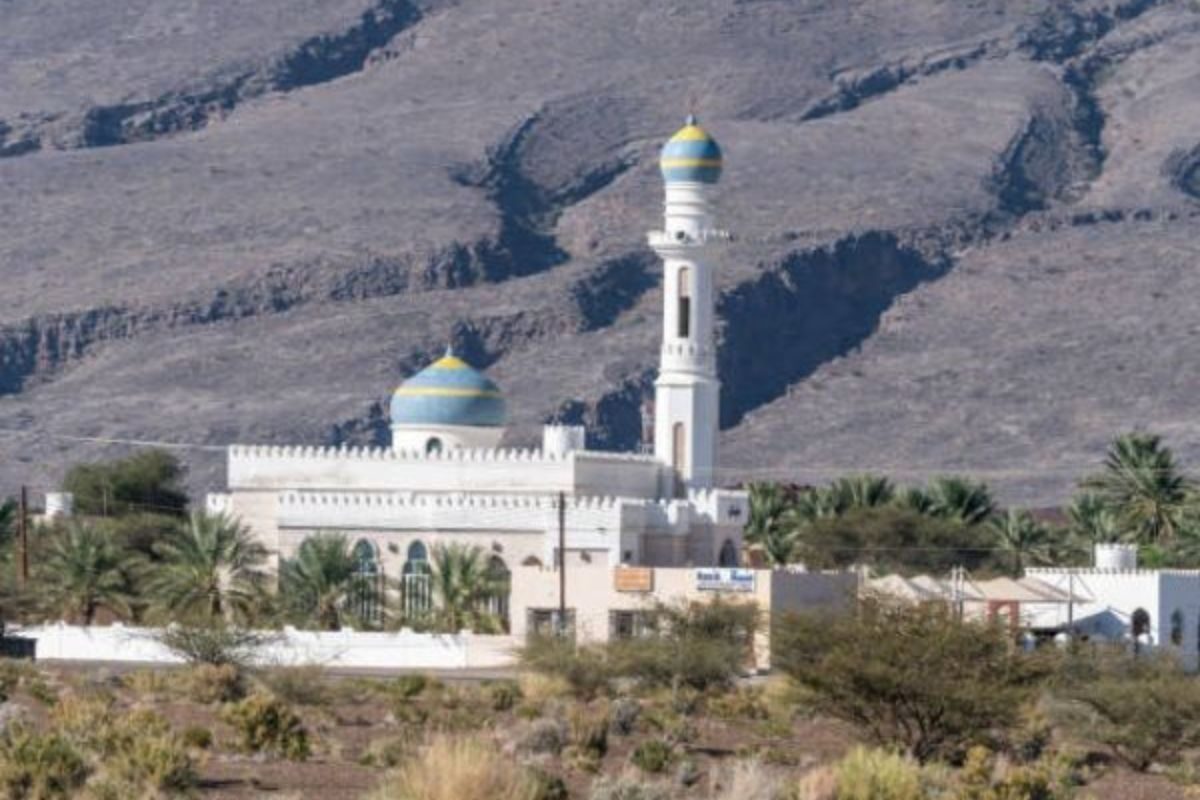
(39, 766)
(390, 751)
(878, 775)
(742, 703)
(459, 768)
(214, 683)
(267, 724)
(623, 715)
(503, 695)
(750, 779)
(299, 686)
(628, 787)
(545, 736)
(652, 755)
(147, 760)
(197, 737)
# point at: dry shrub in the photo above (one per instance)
(878, 775)
(39, 766)
(750, 779)
(389, 751)
(819, 784)
(214, 683)
(266, 723)
(147, 761)
(628, 787)
(300, 686)
(148, 682)
(459, 768)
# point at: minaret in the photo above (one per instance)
(686, 392)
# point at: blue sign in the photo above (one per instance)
(716, 579)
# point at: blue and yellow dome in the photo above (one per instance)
(691, 156)
(448, 392)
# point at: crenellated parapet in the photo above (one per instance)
(506, 471)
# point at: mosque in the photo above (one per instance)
(611, 520)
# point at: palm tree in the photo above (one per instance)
(767, 528)
(210, 571)
(462, 583)
(319, 583)
(1022, 537)
(959, 499)
(82, 571)
(1092, 520)
(1142, 484)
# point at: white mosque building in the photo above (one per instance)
(621, 517)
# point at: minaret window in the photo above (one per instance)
(685, 303)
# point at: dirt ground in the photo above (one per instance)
(346, 715)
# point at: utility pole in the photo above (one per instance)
(23, 532)
(562, 563)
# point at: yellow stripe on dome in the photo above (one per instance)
(451, 362)
(668, 163)
(440, 391)
(691, 133)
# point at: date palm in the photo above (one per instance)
(462, 584)
(959, 499)
(768, 528)
(319, 582)
(1143, 486)
(1022, 538)
(1093, 521)
(210, 571)
(82, 571)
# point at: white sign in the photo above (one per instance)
(725, 580)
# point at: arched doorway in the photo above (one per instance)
(500, 580)
(416, 583)
(366, 593)
(728, 556)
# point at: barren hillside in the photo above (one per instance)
(967, 230)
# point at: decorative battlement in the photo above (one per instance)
(403, 500)
(469, 455)
(667, 239)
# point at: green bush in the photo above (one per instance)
(742, 703)
(623, 715)
(149, 761)
(504, 695)
(652, 755)
(588, 732)
(407, 687)
(697, 646)
(910, 675)
(37, 766)
(267, 724)
(584, 668)
(878, 775)
(545, 736)
(215, 644)
(389, 751)
(197, 737)
(1143, 711)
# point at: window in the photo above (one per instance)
(630, 624)
(729, 555)
(499, 586)
(685, 303)
(679, 455)
(1177, 627)
(433, 446)
(366, 588)
(416, 583)
(545, 622)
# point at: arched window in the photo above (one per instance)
(531, 561)
(1177, 627)
(416, 583)
(433, 446)
(1140, 622)
(729, 554)
(684, 292)
(678, 454)
(366, 591)
(499, 587)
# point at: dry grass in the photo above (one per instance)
(749, 779)
(458, 768)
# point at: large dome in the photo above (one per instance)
(448, 392)
(691, 156)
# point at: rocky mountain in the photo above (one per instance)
(966, 230)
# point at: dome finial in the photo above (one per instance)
(449, 349)
(691, 119)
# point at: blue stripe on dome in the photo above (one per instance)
(691, 174)
(451, 378)
(489, 412)
(691, 148)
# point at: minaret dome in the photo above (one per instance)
(691, 156)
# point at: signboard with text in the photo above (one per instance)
(725, 580)
(633, 579)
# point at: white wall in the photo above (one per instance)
(352, 649)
